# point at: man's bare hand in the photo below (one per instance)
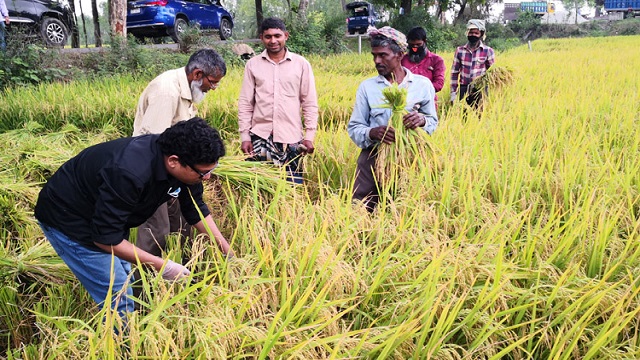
(247, 147)
(413, 120)
(309, 145)
(384, 134)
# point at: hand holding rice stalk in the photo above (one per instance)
(496, 77)
(409, 144)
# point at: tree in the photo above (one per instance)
(259, 14)
(576, 5)
(118, 17)
(96, 23)
(75, 35)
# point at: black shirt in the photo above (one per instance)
(109, 188)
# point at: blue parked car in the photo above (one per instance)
(361, 16)
(159, 18)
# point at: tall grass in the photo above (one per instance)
(520, 242)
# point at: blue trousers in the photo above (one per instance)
(3, 33)
(93, 269)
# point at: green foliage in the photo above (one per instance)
(526, 23)
(128, 57)
(190, 38)
(25, 63)
(317, 34)
(439, 37)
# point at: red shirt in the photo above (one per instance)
(431, 67)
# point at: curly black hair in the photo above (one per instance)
(193, 141)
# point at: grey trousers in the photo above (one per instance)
(365, 187)
(167, 219)
(153, 232)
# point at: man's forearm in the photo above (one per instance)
(131, 253)
(209, 225)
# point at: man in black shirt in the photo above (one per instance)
(89, 205)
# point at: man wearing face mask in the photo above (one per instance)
(419, 60)
(167, 100)
(469, 62)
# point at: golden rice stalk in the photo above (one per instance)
(396, 158)
(242, 174)
(495, 78)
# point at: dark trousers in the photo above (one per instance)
(365, 187)
(472, 96)
(153, 232)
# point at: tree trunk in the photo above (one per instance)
(259, 15)
(460, 17)
(302, 10)
(344, 4)
(75, 35)
(96, 23)
(118, 17)
(84, 25)
(406, 6)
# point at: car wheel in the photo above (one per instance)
(351, 32)
(226, 29)
(179, 27)
(53, 32)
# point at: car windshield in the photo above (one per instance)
(360, 11)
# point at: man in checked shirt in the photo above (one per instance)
(469, 62)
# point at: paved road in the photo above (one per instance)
(172, 46)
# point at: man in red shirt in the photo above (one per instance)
(420, 61)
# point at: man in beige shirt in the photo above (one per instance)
(278, 91)
(167, 100)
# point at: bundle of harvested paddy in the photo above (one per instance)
(250, 175)
(495, 78)
(401, 156)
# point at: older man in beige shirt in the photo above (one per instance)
(277, 91)
(167, 100)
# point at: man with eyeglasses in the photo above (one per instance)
(167, 100)
(87, 208)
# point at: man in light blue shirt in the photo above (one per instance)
(368, 125)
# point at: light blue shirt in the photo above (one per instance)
(367, 113)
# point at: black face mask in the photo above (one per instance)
(420, 50)
(417, 54)
(473, 39)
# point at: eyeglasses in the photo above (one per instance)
(212, 84)
(202, 174)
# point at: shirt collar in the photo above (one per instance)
(408, 78)
(481, 46)
(287, 55)
(185, 88)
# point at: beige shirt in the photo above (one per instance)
(275, 97)
(165, 101)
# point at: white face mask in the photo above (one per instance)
(196, 92)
